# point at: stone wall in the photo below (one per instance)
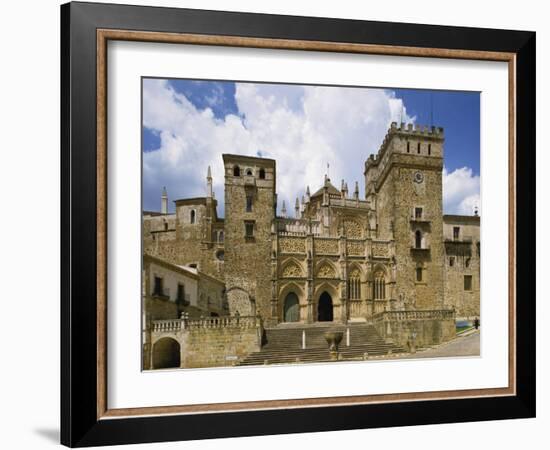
(431, 328)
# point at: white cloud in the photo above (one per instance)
(302, 127)
(461, 191)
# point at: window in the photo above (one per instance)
(408, 147)
(236, 171)
(180, 298)
(249, 229)
(262, 174)
(249, 172)
(467, 262)
(165, 226)
(157, 288)
(193, 265)
(379, 286)
(418, 148)
(452, 261)
(429, 149)
(220, 236)
(418, 239)
(419, 274)
(418, 213)
(456, 233)
(354, 285)
(248, 203)
(192, 216)
(220, 255)
(467, 282)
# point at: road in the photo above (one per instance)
(461, 346)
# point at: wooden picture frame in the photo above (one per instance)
(85, 416)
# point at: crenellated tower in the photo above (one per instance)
(404, 183)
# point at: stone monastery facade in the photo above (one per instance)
(336, 257)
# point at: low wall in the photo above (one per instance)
(211, 342)
(416, 328)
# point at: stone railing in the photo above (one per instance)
(403, 316)
(174, 325)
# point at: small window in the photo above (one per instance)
(157, 288)
(418, 213)
(181, 293)
(452, 261)
(249, 229)
(193, 265)
(408, 147)
(262, 174)
(236, 171)
(418, 239)
(192, 216)
(249, 172)
(220, 236)
(467, 262)
(429, 149)
(220, 255)
(456, 233)
(418, 148)
(419, 274)
(249, 203)
(467, 282)
(165, 226)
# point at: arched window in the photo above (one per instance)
(249, 172)
(192, 216)
(220, 236)
(418, 239)
(354, 285)
(262, 174)
(379, 286)
(236, 171)
(418, 148)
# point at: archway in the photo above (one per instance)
(291, 311)
(324, 308)
(166, 354)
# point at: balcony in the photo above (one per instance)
(163, 294)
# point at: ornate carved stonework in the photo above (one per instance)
(355, 273)
(352, 229)
(380, 250)
(292, 245)
(355, 248)
(326, 271)
(292, 270)
(326, 246)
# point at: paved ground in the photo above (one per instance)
(467, 345)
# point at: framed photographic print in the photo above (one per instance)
(277, 224)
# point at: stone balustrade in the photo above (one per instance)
(175, 325)
(403, 316)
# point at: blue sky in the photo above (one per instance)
(188, 124)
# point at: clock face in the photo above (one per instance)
(418, 177)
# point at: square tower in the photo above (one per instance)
(404, 182)
(250, 202)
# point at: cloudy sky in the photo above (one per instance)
(188, 124)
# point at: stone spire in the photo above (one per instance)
(209, 191)
(308, 196)
(283, 209)
(356, 191)
(164, 201)
(297, 209)
(344, 189)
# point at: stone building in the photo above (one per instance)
(336, 258)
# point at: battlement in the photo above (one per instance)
(409, 134)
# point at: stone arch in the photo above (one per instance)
(239, 301)
(236, 171)
(287, 289)
(325, 268)
(379, 278)
(327, 300)
(355, 278)
(354, 266)
(292, 268)
(166, 353)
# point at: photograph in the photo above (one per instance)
(297, 224)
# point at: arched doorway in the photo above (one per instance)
(324, 308)
(291, 311)
(166, 354)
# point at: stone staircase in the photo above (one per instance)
(283, 344)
